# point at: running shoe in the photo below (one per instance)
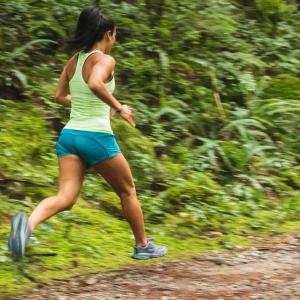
(149, 251)
(19, 235)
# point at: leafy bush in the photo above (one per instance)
(283, 86)
(215, 85)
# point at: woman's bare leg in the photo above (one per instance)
(117, 173)
(71, 175)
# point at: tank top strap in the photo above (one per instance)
(85, 55)
(81, 58)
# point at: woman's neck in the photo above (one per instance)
(100, 46)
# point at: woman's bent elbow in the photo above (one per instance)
(94, 85)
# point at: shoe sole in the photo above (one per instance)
(16, 242)
(143, 256)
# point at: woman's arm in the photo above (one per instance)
(100, 72)
(62, 93)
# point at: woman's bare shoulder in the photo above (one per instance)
(104, 59)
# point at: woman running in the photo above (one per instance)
(86, 85)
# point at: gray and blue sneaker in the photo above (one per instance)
(149, 251)
(19, 235)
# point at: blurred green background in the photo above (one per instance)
(215, 154)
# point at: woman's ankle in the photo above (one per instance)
(142, 243)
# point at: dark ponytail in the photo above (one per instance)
(91, 27)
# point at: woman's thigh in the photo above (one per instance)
(71, 174)
(117, 173)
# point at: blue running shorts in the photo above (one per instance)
(92, 147)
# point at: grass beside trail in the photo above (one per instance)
(86, 240)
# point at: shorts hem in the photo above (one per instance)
(65, 154)
(106, 158)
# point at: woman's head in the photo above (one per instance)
(92, 27)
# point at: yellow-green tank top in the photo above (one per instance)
(88, 112)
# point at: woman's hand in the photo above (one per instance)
(127, 114)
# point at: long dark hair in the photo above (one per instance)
(91, 27)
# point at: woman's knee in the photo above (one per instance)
(127, 193)
(66, 202)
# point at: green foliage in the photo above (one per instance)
(281, 119)
(273, 9)
(220, 50)
(26, 141)
(215, 86)
(292, 177)
(195, 190)
(235, 157)
(293, 206)
(138, 149)
(283, 86)
(110, 203)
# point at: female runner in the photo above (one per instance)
(86, 85)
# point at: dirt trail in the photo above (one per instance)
(270, 270)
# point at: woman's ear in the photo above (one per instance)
(109, 35)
